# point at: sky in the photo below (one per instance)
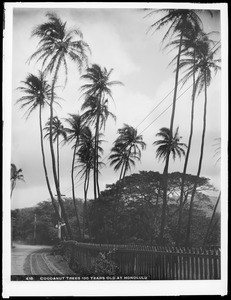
(119, 39)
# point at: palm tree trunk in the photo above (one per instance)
(211, 221)
(12, 187)
(53, 154)
(175, 88)
(96, 185)
(164, 205)
(127, 162)
(44, 165)
(58, 160)
(86, 211)
(165, 173)
(121, 172)
(125, 168)
(199, 166)
(187, 155)
(86, 182)
(73, 188)
(156, 204)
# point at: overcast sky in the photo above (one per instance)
(118, 39)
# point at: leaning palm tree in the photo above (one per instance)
(56, 45)
(74, 132)
(126, 149)
(57, 132)
(192, 44)
(167, 145)
(15, 175)
(96, 94)
(206, 65)
(180, 21)
(37, 94)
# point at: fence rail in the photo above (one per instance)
(156, 262)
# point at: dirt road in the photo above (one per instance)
(37, 260)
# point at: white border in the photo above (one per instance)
(115, 288)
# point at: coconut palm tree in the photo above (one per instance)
(56, 45)
(180, 21)
(15, 175)
(57, 132)
(167, 147)
(205, 65)
(85, 162)
(121, 158)
(192, 43)
(74, 132)
(96, 94)
(126, 149)
(37, 93)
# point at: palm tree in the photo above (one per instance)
(57, 132)
(205, 65)
(126, 149)
(37, 94)
(96, 94)
(74, 131)
(56, 44)
(85, 162)
(167, 147)
(193, 42)
(15, 175)
(180, 21)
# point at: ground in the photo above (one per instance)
(37, 260)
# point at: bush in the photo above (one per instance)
(104, 265)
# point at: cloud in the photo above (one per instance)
(107, 49)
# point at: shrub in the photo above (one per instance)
(104, 265)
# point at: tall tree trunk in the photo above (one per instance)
(187, 155)
(165, 173)
(121, 172)
(164, 205)
(86, 184)
(199, 166)
(73, 188)
(96, 184)
(86, 211)
(45, 168)
(211, 221)
(13, 184)
(58, 160)
(126, 163)
(157, 202)
(53, 154)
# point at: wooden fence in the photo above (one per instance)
(155, 262)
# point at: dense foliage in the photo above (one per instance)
(130, 213)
